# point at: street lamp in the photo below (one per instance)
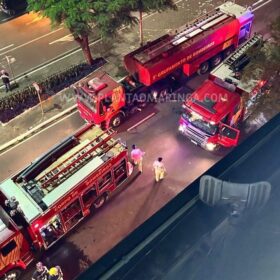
(39, 91)
(10, 60)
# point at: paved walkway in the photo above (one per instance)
(112, 51)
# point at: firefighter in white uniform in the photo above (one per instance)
(159, 169)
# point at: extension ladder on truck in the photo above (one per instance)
(61, 172)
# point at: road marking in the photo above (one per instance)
(67, 38)
(6, 47)
(37, 133)
(29, 42)
(258, 2)
(140, 122)
(261, 5)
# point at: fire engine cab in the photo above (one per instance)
(212, 113)
(155, 69)
(44, 201)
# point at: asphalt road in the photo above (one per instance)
(30, 41)
(139, 200)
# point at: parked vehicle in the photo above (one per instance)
(213, 112)
(48, 198)
(153, 68)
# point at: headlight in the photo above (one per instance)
(210, 146)
(182, 127)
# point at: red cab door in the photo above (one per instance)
(228, 136)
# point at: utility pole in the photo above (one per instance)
(39, 91)
(9, 61)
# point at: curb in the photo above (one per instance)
(34, 130)
(46, 64)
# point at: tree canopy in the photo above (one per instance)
(267, 57)
(79, 16)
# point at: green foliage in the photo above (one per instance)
(108, 15)
(266, 58)
(76, 15)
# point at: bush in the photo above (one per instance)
(15, 104)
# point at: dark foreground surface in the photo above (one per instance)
(189, 240)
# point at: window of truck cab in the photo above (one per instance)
(86, 99)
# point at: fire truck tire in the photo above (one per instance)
(116, 120)
(203, 68)
(216, 60)
(13, 274)
(99, 202)
(227, 52)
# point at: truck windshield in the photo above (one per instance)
(86, 99)
(198, 122)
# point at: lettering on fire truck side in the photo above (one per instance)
(182, 61)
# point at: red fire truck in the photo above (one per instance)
(153, 68)
(213, 112)
(43, 202)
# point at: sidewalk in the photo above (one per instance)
(112, 51)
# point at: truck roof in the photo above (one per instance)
(187, 33)
(212, 101)
(61, 169)
(225, 73)
(99, 84)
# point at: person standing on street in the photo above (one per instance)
(137, 157)
(41, 272)
(159, 169)
(6, 80)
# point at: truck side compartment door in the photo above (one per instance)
(228, 136)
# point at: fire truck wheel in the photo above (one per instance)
(99, 202)
(227, 52)
(13, 274)
(216, 60)
(116, 120)
(203, 68)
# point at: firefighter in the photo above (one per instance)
(159, 169)
(41, 272)
(55, 273)
(137, 157)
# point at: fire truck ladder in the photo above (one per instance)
(96, 147)
(199, 25)
(242, 50)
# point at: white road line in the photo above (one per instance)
(67, 38)
(7, 47)
(140, 122)
(36, 134)
(262, 5)
(29, 42)
(256, 3)
(56, 60)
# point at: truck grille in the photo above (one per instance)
(195, 135)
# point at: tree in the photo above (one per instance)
(146, 6)
(75, 15)
(79, 16)
(267, 57)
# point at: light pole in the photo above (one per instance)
(10, 60)
(39, 91)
